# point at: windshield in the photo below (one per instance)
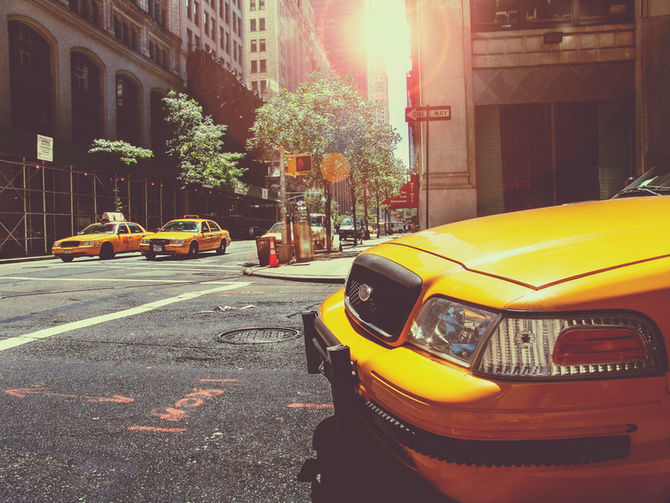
(655, 182)
(93, 229)
(100, 229)
(179, 226)
(275, 229)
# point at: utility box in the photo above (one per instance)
(302, 239)
(283, 253)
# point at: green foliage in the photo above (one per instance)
(127, 154)
(196, 143)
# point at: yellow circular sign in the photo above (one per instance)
(335, 167)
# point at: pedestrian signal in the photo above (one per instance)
(303, 165)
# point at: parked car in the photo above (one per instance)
(520, 357)
(186, 236)
(346, 229)
(103, 240)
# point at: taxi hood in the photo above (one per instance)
(542, 247)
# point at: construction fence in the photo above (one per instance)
(41, 203)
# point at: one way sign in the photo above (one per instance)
(428, 113)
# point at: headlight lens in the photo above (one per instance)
(145, 241)
(57, 244)
(177, 242)
(451, 330)
(90, 243)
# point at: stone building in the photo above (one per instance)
(551, 101)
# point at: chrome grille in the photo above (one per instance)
(380, 295)
(159, 241)
(69, 243)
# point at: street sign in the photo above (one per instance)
(428, 113)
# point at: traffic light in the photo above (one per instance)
(303, 164)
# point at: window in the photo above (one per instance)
(227, 17)
(189, 7)
(264, 84)
(86, 99)
(252, 4)
(261, 24)
(263, 66)
(228, 43)
(254, 45)
(262, 44)
(522, 14)
(252, 25)
(254, 85)
(212, 30)
(189, 38)
(197, 42)
(254, 66)
(239, 26)
(88, 9)
(206, 24)
(127, 110)
(261, 4)
(196, 13)
(220, 8)
(222, 45)
(126, 32)
(157, 11)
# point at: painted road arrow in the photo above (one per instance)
(22, 392)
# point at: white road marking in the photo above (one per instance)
(75, 325)
(27, 278)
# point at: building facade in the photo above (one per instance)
(378, 87)
(282, 47)
(82, 69)
(551, 101)
(216, 27)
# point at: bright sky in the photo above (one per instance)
(388, 37)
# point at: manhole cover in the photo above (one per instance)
(258, 335)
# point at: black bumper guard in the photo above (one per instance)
(327, 356)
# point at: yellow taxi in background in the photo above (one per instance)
(103, 240)
(186, 237)
(515, 358)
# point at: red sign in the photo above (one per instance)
(408, 197)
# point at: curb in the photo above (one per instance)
(261, 273)
(26, 259)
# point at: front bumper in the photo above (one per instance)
(79, 251)
(493, 469)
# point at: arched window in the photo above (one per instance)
(30, 79)
(127, 110)
(86, 99)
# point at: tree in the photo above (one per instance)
(196, 144)
(125, 154)
(326, 114)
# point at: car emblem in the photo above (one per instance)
(364, 292)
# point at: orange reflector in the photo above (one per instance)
(580, 345)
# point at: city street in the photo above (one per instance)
(117, 387)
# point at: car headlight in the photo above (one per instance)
(177, 242)
(145, 241)
(57, 244)
(90, 243)
(451, 330)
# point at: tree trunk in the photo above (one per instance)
(329, 198)
(366, 233)
(353, 202)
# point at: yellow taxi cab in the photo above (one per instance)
(186, 237)
(100, 239)
(513, 358)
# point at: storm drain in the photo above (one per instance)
(258, 335)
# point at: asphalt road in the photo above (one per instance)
(115, 385)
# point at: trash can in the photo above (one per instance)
(263, 249)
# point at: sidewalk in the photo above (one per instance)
(325, 268)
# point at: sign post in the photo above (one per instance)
(425, 114)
